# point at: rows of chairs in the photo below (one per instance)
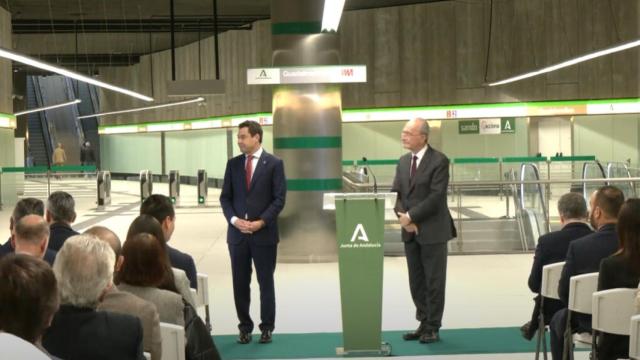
(173, 337)
(612, 311)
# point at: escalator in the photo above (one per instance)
(531, 209)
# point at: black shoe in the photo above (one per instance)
(265, 338)
(244, 338)
(430, 337)
(414, 335)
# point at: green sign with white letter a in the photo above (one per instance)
(360, 234)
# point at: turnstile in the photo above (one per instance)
(202, 187)
(146, 184)
(104, 188)
(174, 187)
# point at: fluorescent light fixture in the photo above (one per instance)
(5, 53)
(76, 101)
(331, 14)
(564, 64)
(175, 103)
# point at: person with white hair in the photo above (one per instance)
(84, 271)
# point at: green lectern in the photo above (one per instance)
(360, 235)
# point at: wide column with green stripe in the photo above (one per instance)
(307, 132)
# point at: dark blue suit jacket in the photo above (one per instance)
(59, 234)
(49, 255)
(583, 257)
(264, 199)
(182, 261)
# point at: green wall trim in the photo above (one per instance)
(314, 184)
(310, 142)
(371, 162)
(572, 158)
(524, 159)
(44, 169)
(487, 160)
(296, 28)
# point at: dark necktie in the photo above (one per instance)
(248, 168)
(414, 166)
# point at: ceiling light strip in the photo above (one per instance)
(331, 14)
(27, 60)
(175, 103)
(76, 101)
(567, 63)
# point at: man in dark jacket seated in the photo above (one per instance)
(552, 248)
(84, 270)
(583, 257)
(61, 213)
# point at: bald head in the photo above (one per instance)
(415, 135)
(32, 235)
(107, 236)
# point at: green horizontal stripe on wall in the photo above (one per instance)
(371, 162)
(296, 28)
(488, 160)
(573, 158)
(315, 142)
(524, 159)
(314, 184)
(27, 170)
(74, 168)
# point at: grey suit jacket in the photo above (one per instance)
(127, 303)
(169, 304)
(183, 286)
(425, 197)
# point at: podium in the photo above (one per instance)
(360, 235)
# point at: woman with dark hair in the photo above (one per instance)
(621, 270)
(174, 279)
(143, 271)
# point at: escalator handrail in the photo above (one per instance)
(611, 165)
(585, 166)
(538, 186)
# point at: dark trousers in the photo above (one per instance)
(264, 260)
(580, 323)
(551, 306)
(427, 279)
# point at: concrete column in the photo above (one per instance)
(307, 132)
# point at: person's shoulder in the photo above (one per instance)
(179, 255)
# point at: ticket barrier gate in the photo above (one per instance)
(202, 186)
(146, 184)
(104, 189)
(174, 187)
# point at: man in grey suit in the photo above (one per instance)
(421, 181)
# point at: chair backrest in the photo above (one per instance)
(147, 355)
(173, 342)
(612, 310)
(634, 338)
(202, 297)
(194, 295)
(550, 279)
(581, 289)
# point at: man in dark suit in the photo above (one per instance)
(84, 270)
(61, 213)
(584, 256)
(161, 208)
(31, 236)
(252, 196)
(24, 207)
(552, 248)
(421, 181)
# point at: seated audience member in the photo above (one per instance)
(61, 214)
(584, 256)
(161, 208)
(127, 303)
(148, 224)
(24, 207)
(143, 271)
(28, 300)
(31, 237)
(621, 270)
(84, 270)
(552, 248)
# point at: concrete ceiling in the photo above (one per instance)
(92, 33)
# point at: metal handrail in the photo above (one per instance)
(503, 182)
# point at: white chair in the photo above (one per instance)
(173, 342)
(581, 289)
(634, 338)
(612, 310)
(147, 355)
(548, 289)
(202, 297)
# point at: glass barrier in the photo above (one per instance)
(592, 170)
(620, 170)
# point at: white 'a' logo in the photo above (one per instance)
(507, 125)
(359, 234)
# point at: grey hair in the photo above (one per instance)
(572, 206)
(84, 269)
(424, 126)
(61, 206)
(32, 229)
